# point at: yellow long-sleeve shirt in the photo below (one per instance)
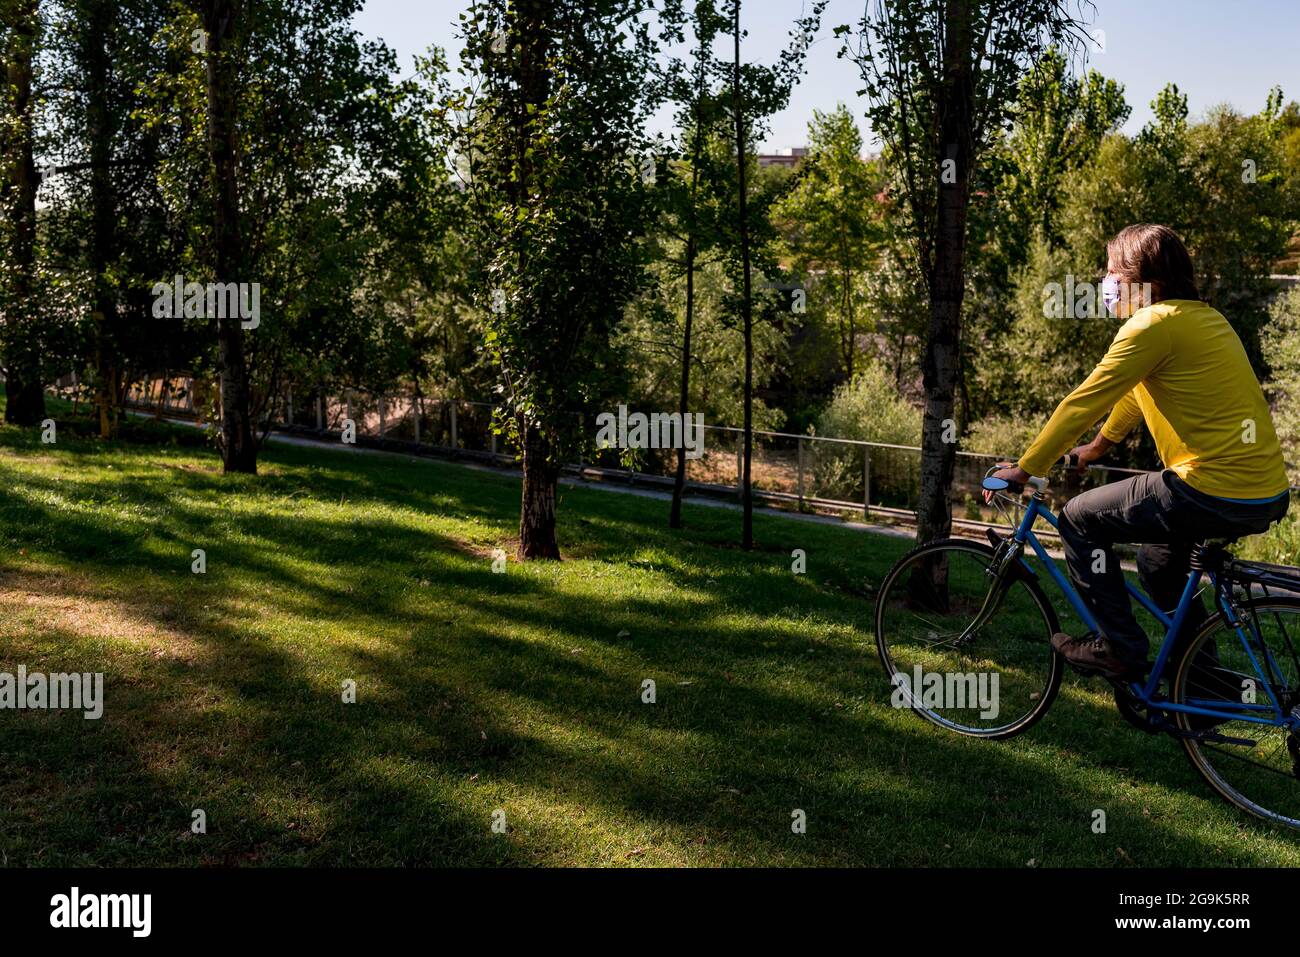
(1180, 366)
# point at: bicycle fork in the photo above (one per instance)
(1004, 559)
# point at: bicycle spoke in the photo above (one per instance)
(1290, 645)
(1259, 778)
(1245, 760)
(1009, 656)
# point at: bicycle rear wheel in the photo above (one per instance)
(993, 681)
(1257, 767)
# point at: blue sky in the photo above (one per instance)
(1216, 52)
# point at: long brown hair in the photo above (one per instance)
(1148, 253)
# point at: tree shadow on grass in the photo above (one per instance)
(460, 715)
(284, 770)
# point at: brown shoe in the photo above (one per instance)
(1092, 655)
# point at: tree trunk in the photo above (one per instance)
(22, 358)
(746, 306)
(103, 204)
(697, 149)
(947, 286)
(679, 481)
(537, 506)
(541, 471)
(947, 281)
(26, 399)
(238, 446)
(846, 277)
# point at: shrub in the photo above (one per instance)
(1280, 343)
(1001, 435)
(867, 408)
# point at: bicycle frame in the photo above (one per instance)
(1146, 693)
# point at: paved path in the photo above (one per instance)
(621, 489)
(614, 487)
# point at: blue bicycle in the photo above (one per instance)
(956, 618)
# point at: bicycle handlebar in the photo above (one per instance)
(1068, 462)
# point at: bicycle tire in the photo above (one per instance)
(1050, 625)
(1196, 747)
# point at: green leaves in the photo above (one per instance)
(553, 209)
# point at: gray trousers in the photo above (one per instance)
(1168, 517)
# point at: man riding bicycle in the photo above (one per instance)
(1177, 364)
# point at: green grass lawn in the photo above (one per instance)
(518, 691)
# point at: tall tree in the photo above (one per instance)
(222, 25)
(832, 222)
(104, 217)
(1017, 226)
(98, 17)
(757, 92)
(940, 77)
(698, 116)
(301, 139)
(553, 144)
(1059, 121)
(746, 293)
(20, 348)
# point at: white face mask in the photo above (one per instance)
(1110, 289)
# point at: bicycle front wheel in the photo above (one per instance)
(990, 681)
(1252, 765)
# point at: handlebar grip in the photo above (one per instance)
(1070, 461)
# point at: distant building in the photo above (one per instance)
(792, 157)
